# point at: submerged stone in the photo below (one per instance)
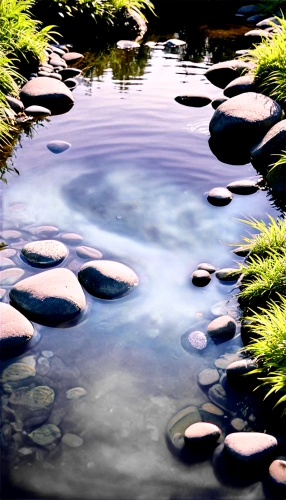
(212, 409)
(45, 252)
(11, 276)
(182, 420)
(226, 359)
(208, 377)
(72, 440)
(10, 234)
(46, 434)
(15, 328)
(88, 253)
(76, 393)
(218, 396)
(58, 147)
(39, 398)
(18, 371)
(71, 238)
(5, 262)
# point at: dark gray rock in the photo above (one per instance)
(248, 9)
(221, 74)
(254, 19)
(277, 475)
(201, 278)
(72, 57)
(241, 251)
(71, 83)
(58, 147)
(219, 397)
(207, 267)
(45, 252)
(37, 111)
(107, 279)
(202, 435)
(69, 73)
(192, 100)
(15, 104)
(237, 372)
(227, 274)
(222, 328)
(219, 196)
(47, 92)
(273, 143)
(250, 448)
(15, 328)
(208, 377)
(240, 85)
(218, 101)
(243, 187)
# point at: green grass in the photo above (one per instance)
(267, 237)
(270, 7)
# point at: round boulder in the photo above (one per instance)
(277, 474)
(107, 279)
(45, 252)
(15, 328)
(47, 92)
(195, 101)
(222, 328)
(221, 74)
(202, 435)
(238, 373)
(273, 143)
(201, 278)
(250, 448)
(219, 196)
(240, 85)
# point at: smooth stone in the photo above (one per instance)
(18, 371)
(5, 262)
(198, 340)
(208, 377)
(222, 328)
(10, 234)
(254, 19)
(250, 448)
(107, 279)
(248, 9)
(227, 274)
(151, 45)
(56, 76)
(277, 474)
(174, 42)
(88, 253)
(8, 252)
(46, 73)
(221, 74)
(72, 57)
(29, 360)
(201, 278)
(236, 372)
(195, 101)
(11, 276)
(39, 398)
(47, 92)
(76, 393)
(212, 409)
(218, 396)
(57, 61)
(72, 440)
(218, 101)
(26, 451)
(240, 85)
(68, 73)
(241, 52)
(127, 44)
(47, 66)
(241, 251)
(71, 83)
(226, 359)
(18, 207)
(44, 230)
(273, 143)
(265, 23)
(15, 328)
(15, 104)
(59, 51)
(58, 147)
(219, 196)
(238, 424)
(37, 111)
(52, 295)
(71, 238)
(46, 434)
(205, 266)
(243, 187)
(182, 420)
(47, 354)
(202, 434)
(45, 252)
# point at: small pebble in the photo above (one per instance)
(58, 147)
(201, 278)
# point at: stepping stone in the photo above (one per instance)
(207, 267)
(195, 101)
(222, 328)
(201, 278)
(219, 196)
(227, 274)
(244, 187)
(58, 147)
(45, 252)
(15, 328)
(72, 57)
(76, 393)
(11, 276)
(71, 238)
(46, 434)
(202, 434)
(88, 253)
(245, 83)
(250, 448)
(221, 74)
(208, 377)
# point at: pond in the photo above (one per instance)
(134, 186)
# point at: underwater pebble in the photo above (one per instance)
(226, 359)
(220, 308)
(5, 262)
(182, 420)
(45, 252)
(212, 409)
(218, 396)
(72, 440)
(71, 238)
(46, 434)
(198, 340)
(18, 371)
(11, 276)
(76, 393)
(58, 147)
(238, 424)
(88, 253)
(44, 230)
(8, 252)
(10, 234)
(47, 354)
(201, 278)
(241, 251)
(208, 377)
(41, 397)
(29, 360)
(43, 365)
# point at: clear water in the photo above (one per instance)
(134, 186)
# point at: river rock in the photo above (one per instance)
(44, 230)
(39, 398)
(11, 276)
(57, 62)
(107, 279)
(47, 354)
(240, 85)
(273, 143)
(15, 328)
(248, 9)
(181, 421)
(127, 44)
(212, 409)
(207, 267)
(244, 119)
(250, 448)
(71, 83)
(219, 196)
(221, 74)
(37, 111)
(208, 377)
(226, 359)
(277, 474)
(238, 424)
(72, 440)
(67, 73)
(227, 274)
(237, 372)
(150, 44)
(5, 262)
(58, 147)
(29, 360)
(46, 73)
(222, 328)
(220, 308)
(202, 434)
(201, 278)
(76, 393)
(72, 57)
(254, 19)
(192, 100)
(15, 104)
(45, 252)
(43, 366)
(88, 253)
(174, 42)
(46, 434)
(71, 238)
(59, 51)
(17, 372)
(47, 92)
(265, 23)
(53, 295)
(10, 234)
(218, 101)
(56, 76)
(218, 396)
(198, 340)
(8, 252)
(243, 187)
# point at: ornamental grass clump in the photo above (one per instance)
(267, 237)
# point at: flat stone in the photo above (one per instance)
(201, 278)
(8, 252)
(46, 434)
(57, 62)
(238, 424)
(11, 276)
(182, 420)
(227, 274)
(15, 104)
(44, 230)
(39, 398)
(58, 147)
(46, 73)
(207, 267)
(174, 42)
(46, 70)
(277, 474)
(88, 253)
(72, 440)
(218, 101)
(127, 44)
(10, 234)
(221, 74)
(5, 262)
(212, 409)
(76, 393)
(192, 100)
(248, 9)
(15, 328)
(29, 360)
(219, 196)
(107, 279)
(56, 76)
(26, 451)
(226, 359)
(72, 57)
(67, 73)
(18, 371)
(208, 377)
(202, 434)
(51, 295)
(71, 238)
(245, 83)
(253, 448)
(198, 340)
(45, 252)
(244, 187)
(59, 51)
(223, 326)
(47, 92)
(150, 44)
(37, 111)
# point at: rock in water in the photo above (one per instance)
(15, 328)
(45, 252)
(47, 92)
(219, 196)
(202, 434)
(72, 440)
(222, 328)
(72, 57)
(18, 371)
(195, 101)
(37, 111)
(250, 448)
(174, 42)
(221, 74)
(46, 434)
(181, 421)
(273, 143)
(240, 85)
(127, 44)
(58, 147)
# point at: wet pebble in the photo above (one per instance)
(201, 278)
(71, 238)
(236, 372)
(202, 434)
(29, 360)
(58, 147)
(11, 276)
(208, 377)
(44, 230)
(243, 187)
(241, 251)
(182, 420)
(205, 266)
(192, 100)
(277, 474)
(219, 196)
(10, 234)
(226, 359)
(26, 451)
(43, 365)
(18, 371)
(37, 111)
(8, 252)
(218, 396)
(222, 328)
(76, 393)
(88, 253)
(212, 409)
(45, 435)
(5, 262)
(227, 274)
(218, 101)
(68, 73)
(72, 57)
(15, 104)
(39, 398)
(47, 354)
(198, 340)
(72, 440)
(45, 252)
(238, 424)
